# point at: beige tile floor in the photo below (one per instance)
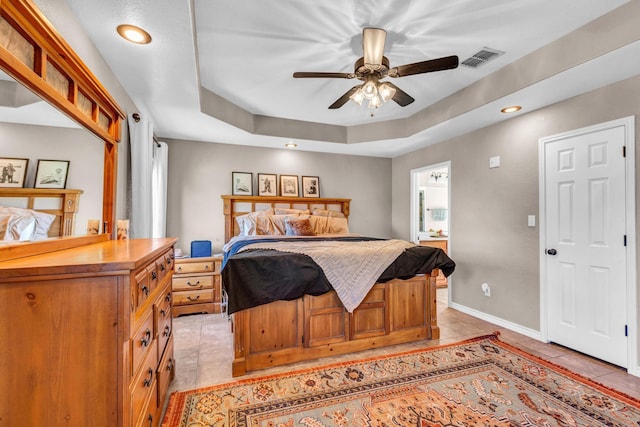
(203, 350)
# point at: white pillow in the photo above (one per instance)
(247, 222)
(43, 220)
(16, 227)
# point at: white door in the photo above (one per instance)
(585, 251)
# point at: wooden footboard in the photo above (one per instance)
(284, 332)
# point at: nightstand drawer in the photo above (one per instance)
(194, 267)
(192, 297)
(192, 283)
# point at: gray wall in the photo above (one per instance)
(200, 172)
(489, 237)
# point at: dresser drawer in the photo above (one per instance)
(166, 372)
(192, 297)
(142, 342)
(141, 286)
(161, 267)
(195, 267)
(192, 283)
(152, 273)
(163, 322)
(169, 259)
(144, 381)
(144, 400)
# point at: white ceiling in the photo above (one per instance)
(245, 51)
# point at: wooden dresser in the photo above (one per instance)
(197, 286)
(87, 335)
(442, 243)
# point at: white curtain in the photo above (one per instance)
(159, 189)
(149, 161)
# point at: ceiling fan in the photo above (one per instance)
(374, 66)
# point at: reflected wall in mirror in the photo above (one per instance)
(31, 128)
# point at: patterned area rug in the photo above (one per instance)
(478, 382)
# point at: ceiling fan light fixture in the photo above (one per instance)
(358, 96)
(375, 102)
(370, 89)
(133, 34)
(386, 91)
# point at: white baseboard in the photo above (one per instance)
(531, 333)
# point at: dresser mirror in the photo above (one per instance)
(33, 54)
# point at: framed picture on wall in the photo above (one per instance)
(52, 174)
(310, 186)
(267, 184)
(242, 183)
(13, 172)
(289, 185)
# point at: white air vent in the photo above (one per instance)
(481, 57)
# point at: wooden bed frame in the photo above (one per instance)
(311, 327)
(61, 203)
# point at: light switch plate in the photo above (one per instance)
(531, 220)
(494, 161)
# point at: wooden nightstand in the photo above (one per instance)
(441, 281)
(197, 285)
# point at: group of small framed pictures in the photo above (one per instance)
(242, 185)
(49, 173)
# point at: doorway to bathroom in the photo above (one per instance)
(430, 206)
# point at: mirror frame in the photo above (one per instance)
(34, 54)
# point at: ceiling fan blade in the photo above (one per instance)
(344, 98)
(373, 46)
(304, 74)
(401, 97)
(445, 63)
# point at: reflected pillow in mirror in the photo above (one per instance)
(16, 227)
(43, 220)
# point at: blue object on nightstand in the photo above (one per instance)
(200, 248)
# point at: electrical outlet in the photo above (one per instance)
(486, 289)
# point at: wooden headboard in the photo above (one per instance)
(240, 205)
(61, 203)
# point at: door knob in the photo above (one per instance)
(551, 252)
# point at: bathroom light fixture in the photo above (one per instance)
(511, 109)
(290, 145)
(133, 34)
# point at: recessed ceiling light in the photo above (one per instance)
(134, 34)
(290, 145)
(511, 109)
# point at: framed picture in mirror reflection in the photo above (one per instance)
(52, 174)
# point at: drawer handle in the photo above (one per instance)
(150, 419)
(180, 268)
(146, 339)
(163, 313)
(154, 275)
(162, 267)
(193, 299)
(147, 381)
(193, 284)
(145, 290)
(167, 331)
(168, 297)
(206, 267)
(170, 364)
